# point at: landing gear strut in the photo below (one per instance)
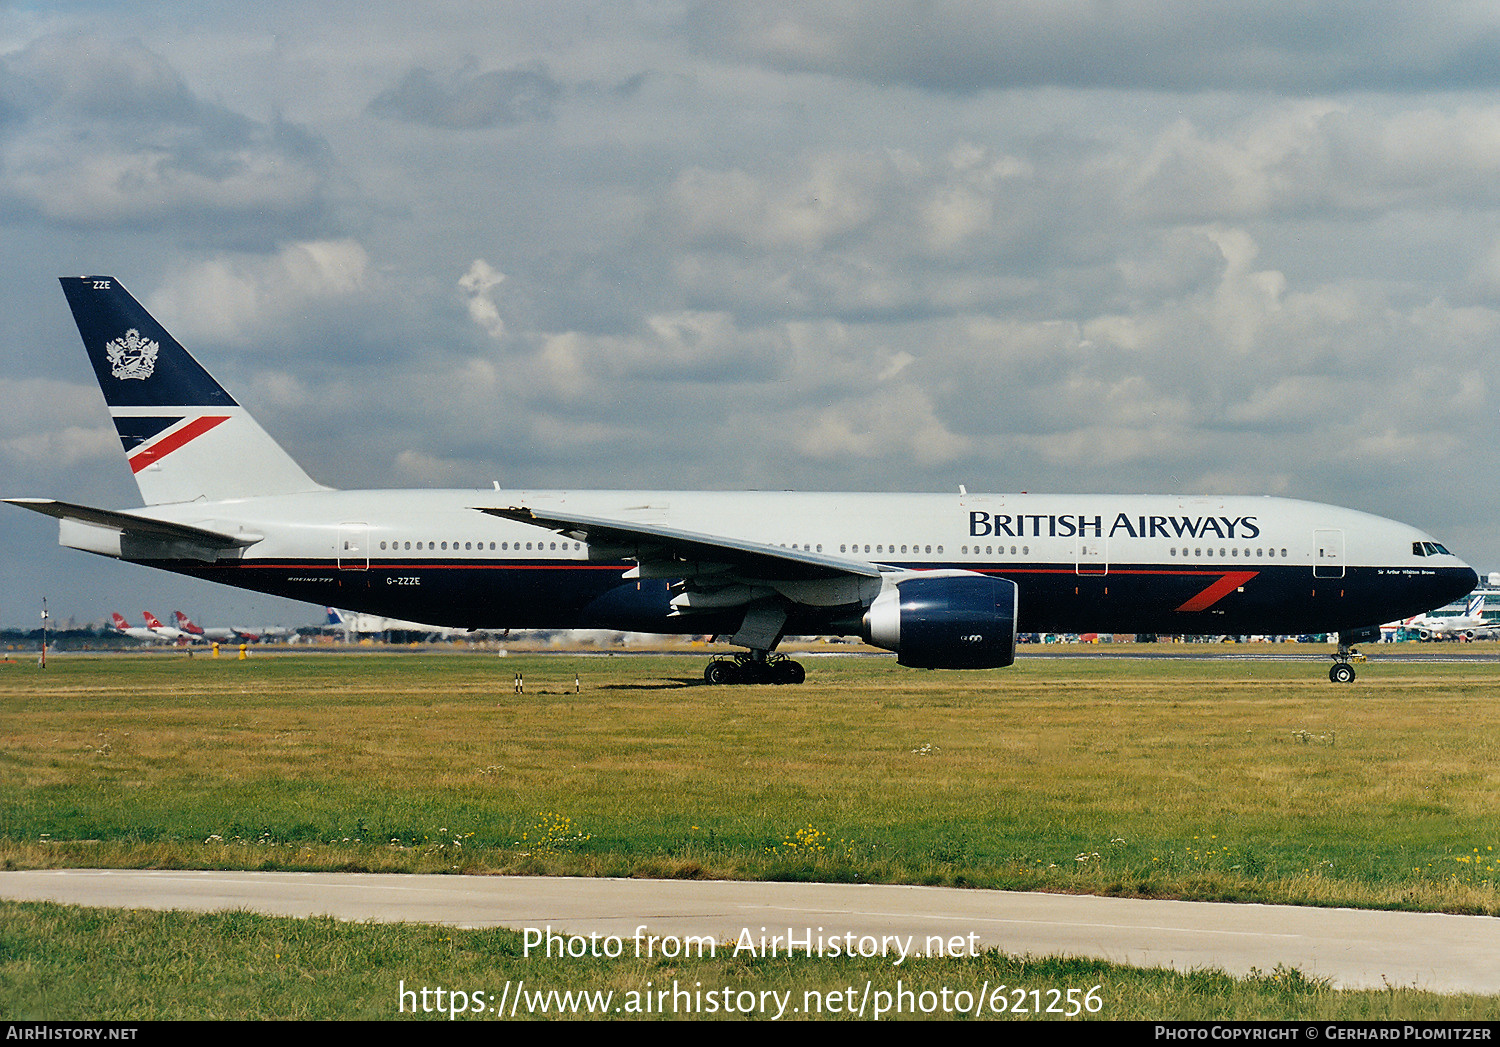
(1342, 671)
(754, 667)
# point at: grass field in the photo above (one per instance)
(1215, 780)
(1208, 780)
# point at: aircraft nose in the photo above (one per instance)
(1465, 581)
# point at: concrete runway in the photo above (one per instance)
(1350, 948)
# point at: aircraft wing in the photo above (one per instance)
(198, 541)
(666, 552)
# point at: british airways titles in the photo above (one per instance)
(1044, 525)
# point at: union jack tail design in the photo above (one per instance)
(184, 436)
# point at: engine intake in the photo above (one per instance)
(946, 621)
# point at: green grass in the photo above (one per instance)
(62, 963)
(1245, 781)
(1206, 780)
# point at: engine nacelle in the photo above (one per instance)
(946, 620)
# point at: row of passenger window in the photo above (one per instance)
(1260, 552)
(878, 548)
(1257, 552)
(1025, 550)
(882, 548)
(480, 546)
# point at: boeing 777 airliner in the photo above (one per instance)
(943, 580)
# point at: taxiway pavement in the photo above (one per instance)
(1350, 948)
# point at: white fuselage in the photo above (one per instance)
(1081, 562)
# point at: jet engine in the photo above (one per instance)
(945, 620)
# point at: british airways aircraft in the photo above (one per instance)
(944, 580)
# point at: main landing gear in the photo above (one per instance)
(755, 667)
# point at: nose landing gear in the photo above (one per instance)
(1342, 671)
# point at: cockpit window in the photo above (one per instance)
(1428, 549)
(1417, 550)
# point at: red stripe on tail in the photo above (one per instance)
(167, 444)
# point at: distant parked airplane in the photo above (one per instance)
(1469, 625)
(135, 632)
(164, 631)
(220, 634)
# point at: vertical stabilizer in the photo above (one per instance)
(185, 437)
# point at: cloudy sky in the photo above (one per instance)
(1071, 245)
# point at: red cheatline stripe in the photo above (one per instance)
(1220, 589)
(167, 444)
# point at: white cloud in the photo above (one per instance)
(228, 297)
(477, 284)
(1294, 158)
(680, 347)
(420, 469)
(833, 197)
(886, 425)
(104, 132)
(60, 448)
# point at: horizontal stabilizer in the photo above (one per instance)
(144, 534)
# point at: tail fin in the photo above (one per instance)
(151, 620)
(186, 624)
(120, 623)
(185, 437)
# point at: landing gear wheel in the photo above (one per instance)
(1343, 672)
(721, 671)
(787, 671)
